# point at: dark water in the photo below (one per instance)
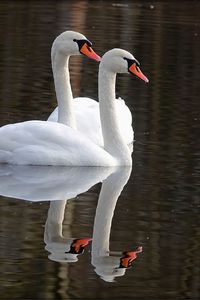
(158, 208)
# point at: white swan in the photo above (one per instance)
(49, 143)
(81, 113)
(66, 44)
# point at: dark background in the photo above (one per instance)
(159, 207)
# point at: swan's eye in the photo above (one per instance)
(132, 61)
(83, 42)
(129, 61)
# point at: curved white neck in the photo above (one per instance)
(110, 192)
(114, 142)
(60, 67)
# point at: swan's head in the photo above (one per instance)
(121, 61)
(74, 43)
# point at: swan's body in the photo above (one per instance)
(87, 113)
(49, 143)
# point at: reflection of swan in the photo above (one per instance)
(108, 264)
(66, 44)
(37, 183)
(44, 183)
(48, 143)
(64, 249)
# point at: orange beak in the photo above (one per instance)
(128, 257)
(88, 51)
(79, 244)
(134, 69)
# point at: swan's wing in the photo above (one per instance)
(49, 143)
(87, 118)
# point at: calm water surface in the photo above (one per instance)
(153, 207)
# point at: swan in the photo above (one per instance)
(80, 112)
(49, 143)
(66, 44)
(77, 180)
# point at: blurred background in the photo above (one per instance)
(159, 207)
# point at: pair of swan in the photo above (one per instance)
(60, 143)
